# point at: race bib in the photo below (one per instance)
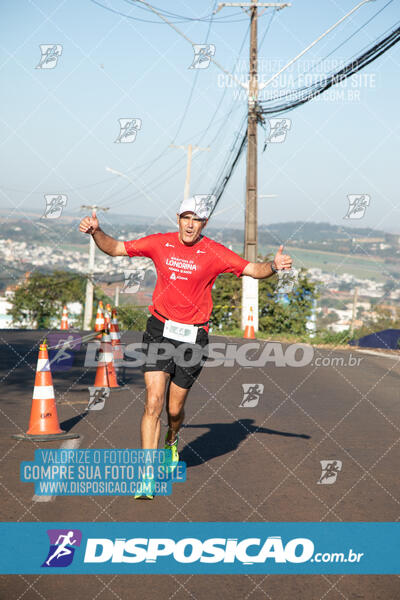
(180, 332)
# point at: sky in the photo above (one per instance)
(59, 126)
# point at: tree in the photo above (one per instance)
(290, 313)
(40, 297)
(132, 318)
(276, 314)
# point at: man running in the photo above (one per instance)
(187, 265)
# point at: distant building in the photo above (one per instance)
(393, 239)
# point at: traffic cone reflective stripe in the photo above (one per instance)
(99, 323)
(105, 374)
(116, 337)
(114, 329)
(43, 423)
(64, 319)
(107, 316)
(249, 330)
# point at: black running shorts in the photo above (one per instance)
(182, 360)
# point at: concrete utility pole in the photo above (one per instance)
(87, 316)
(354, 310)
(250, 285)
(116, 296)
(190, 150)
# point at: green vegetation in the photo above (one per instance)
(41, 297)
(283, 316)
(131, 317)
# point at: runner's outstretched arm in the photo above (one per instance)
(105, 242)
(264, 270)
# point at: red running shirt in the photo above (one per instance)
(185, 274)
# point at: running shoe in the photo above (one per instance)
(172, 462)
(144, 495)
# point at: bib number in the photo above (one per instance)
(180, 332)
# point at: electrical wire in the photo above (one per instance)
(303, 95)
(193, 86)
(185, 20)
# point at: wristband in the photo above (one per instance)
(273, 266)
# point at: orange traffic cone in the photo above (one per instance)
(64, 319)
(107, 316)
(249, 333)
(43, 424)
(99, 323)
(105, 374)
(115, 337)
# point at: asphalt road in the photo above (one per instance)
(244, 463)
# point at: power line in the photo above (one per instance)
(193, 85)
(183, 20)
(303, 95)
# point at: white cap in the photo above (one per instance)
(201, 205)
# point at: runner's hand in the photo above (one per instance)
(282, 261)
(89, 224)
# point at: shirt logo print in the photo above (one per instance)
(171, 245)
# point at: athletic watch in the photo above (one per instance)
(273, 266)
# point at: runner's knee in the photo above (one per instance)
(175, 412)
(153, 406)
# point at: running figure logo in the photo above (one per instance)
(251, 394)
(287, 279)
(62, 547)
(202, 56)
(50, 55)
(278, 129)
(330, 470)
(97, 397)
(133, 279)
(61, 350)
(54, 205)
(204, 205)
(128, 130)
(358, 204)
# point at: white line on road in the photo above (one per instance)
(66, 445)
(381, 354)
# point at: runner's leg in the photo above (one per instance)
(176, 397)
(156, 383)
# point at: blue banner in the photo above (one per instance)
(213, 548)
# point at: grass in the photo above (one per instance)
(321, 338)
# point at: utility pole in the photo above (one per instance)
(87, 316)
(116, 296)
(190, 150)
(250, 285)
(354, 310)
